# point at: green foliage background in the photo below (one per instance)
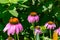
(48, 10)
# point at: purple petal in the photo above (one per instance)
(20, 27)
(31, 19)
(37, 18)
(17, 30)
(7, 27)
(11, 30)
(46, 25)
(37, 31)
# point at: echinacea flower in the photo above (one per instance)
(58, 31)
(50, 25)
(37, 30)
(13, 27)
(33, 17)
(10, 38)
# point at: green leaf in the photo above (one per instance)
(44, 8)
(50, 5)
(32, 27)
(4, 1)
(8, 1)
(58, 15)
(23, 1)
(14, 12)
(24, 6)
(13, 1)
(37, 37)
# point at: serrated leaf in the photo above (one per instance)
(14, 12)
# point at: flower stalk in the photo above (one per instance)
(43, 36)
(37, 37)
(50, 33)
(17, 37)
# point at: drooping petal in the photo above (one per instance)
(11, 30)
(49, 27)
(17, 29)
(31, 19)
(7, 27)
(37, 18)
(20, 27)
(37, 31)
(58, 31)
(46, 25)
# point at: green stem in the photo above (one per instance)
(50, 33)
(17, 36)
(37, 37)
(43, 36)
(33, 30)
(1, 38)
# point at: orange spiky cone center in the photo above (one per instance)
(13, 20)
(33, 13)
(50, 22)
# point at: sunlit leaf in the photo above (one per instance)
(44, 8)
(8, 1)
(58, 15)
(4, 1)
(37, 37)
(50, 6)
(13, 1)
(14, 12)
(23, 1)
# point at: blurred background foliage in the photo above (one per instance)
(48, 10)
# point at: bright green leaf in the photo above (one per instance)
(4, 1)
(13, 1)
(14, 12)
(8, 1)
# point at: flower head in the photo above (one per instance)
(13, 27)
(37, 30)
(50, 25)
(33, 17)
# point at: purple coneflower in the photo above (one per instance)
(13, 27)
(50, 25)
(33, 17)
(37, 30)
